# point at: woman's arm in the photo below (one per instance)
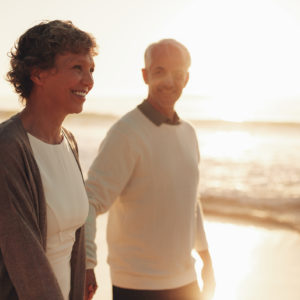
(23, 225)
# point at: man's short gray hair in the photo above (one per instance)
(170, 43)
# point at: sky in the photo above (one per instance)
(245, 54)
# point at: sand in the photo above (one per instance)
(250, 262)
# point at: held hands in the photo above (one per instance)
(90, 284)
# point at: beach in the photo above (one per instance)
(250, 262)
(242, 96)
(254, 244)
(255, 255)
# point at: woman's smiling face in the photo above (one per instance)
(69, 81)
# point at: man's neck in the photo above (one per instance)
(168, 111)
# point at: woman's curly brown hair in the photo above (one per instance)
(38, 47)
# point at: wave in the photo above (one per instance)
(199, 123)
(285, 216)
(280, 209)
(217, 123)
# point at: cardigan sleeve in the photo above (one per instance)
(78, 251)
(22, 227)
(107, 177)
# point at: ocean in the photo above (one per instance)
(250, 192)
(249, 170)
(249, 176)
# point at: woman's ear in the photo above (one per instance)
(37, 76)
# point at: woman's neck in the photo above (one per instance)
(42, 124)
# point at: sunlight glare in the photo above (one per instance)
(243, 52)
(231, 268)
(231, 145)
(233, 108)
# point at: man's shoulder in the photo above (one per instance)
(131, 116)
(129, 121)
(187, 124)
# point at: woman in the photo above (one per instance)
(43, 204)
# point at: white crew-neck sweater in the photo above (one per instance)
(147, 176)
(67, 204)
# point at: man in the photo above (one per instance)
(147, 167)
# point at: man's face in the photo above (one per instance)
(166, 75)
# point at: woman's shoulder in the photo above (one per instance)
(14, 145)
(69, 135)
(71, 139)
(12, 132)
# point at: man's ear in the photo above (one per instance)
(145, 75)
(37, 76)
(187, 78)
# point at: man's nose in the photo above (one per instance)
(168, 80)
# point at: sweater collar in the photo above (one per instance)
(155, 116)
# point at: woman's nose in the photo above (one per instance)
(88, 79)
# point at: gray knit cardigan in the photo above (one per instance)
(25, 272)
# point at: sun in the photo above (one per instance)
(232, 108)
(244, 64)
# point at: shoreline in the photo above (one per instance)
(216, 124)
(92, 130)
(250, 261)
(248, 220)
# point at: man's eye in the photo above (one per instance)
(92, 70)
(158, 72)
(179, 75)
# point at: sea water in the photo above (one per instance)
(249, 170)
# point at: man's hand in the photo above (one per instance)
(208, 277)
(90, 284)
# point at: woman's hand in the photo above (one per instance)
(90, 284)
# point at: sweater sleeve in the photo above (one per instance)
(200, 241)
(107, 177)
(23, 262)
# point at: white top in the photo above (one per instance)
(150, 174)
(67, 204)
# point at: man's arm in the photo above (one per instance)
(107, 177)
(201, 246)
(207, 274)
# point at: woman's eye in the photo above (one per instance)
(77, 67)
